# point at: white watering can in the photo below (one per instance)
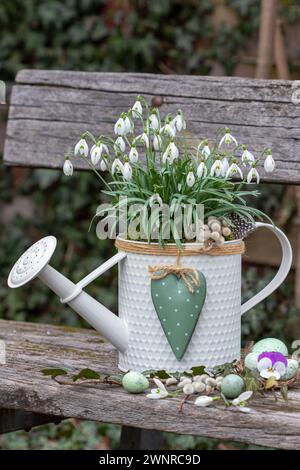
(137, 332)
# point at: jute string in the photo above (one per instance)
(190, 276)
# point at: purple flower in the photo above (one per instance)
(271, 364)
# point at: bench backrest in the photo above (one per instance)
(50, 109)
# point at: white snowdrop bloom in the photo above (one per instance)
(155, 199)
(159, 392)
(116, 166)
(233, 170)
(133, 155)
(201, 170)
(166, 157)
(144, 139)
(173, 151)
(178, 122)
(153, 122)
(190, 179)
(103, 149)
(228, 139)
(129, 126)
(81, 148)
(216, 169)
(269, 164)
(247, 157)
(253, 175)
(225, 166)
(95, 154)
(157, 142)
(120, 127)
(127, 171)
(68, 168)
(137, 109)
(204, 401)
(169, 130)
(119, 144)
(103, 165)
(240, 401)
(205, 152)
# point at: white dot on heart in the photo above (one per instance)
(179, 292)
(187, 300)
(160, 307)
(156, 295)
(175, 309)
(177, 348)
(170, 298)
(185, 334)
(178, 324)
(164, 319)
(191, 315)
(197, 291)
(163, 283)
(169, 332)
(196, 306)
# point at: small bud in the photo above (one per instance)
(215, 227)
(171, 381)
(184, 382)
(208, 389)
(188, 389)
(199, 386)
(215, 236)
(226, 231)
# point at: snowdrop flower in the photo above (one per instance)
(127, 171)
(201, 170)
(103, 165)
(271, 364)
(253, 175)
(153, 121)
(81, 148)
(68, 168)
(178, 122)
(143, 138)
(216, 169)
(133, 155)
(116, 166)
(129, 126)
(205, 152)
(225, 166)
(159, 392)
(233, 170)
(269, 164)
(137, 109)
(190, 179)
(119, 145)
(247, 157)
(169, 130)
(240, 401)
(120, 127)
(157, 142)
(155, 199)
(173, 151)
(228, 139)
(204, 400)
(95, 154)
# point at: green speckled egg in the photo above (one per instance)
(251, 360)
(270, 345)
(135, 382)
(232, 386)
(291, 370)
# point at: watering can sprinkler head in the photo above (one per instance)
(35, 263)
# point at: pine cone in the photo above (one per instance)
(240, 227)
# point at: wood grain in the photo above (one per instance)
(32, 347)
(50, 109)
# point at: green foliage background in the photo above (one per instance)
(144, 36)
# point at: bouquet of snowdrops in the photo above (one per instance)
(152, 162)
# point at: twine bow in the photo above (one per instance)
(188, 275)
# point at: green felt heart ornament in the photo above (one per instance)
(178, 309)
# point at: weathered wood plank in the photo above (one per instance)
(31, 347)
(50, 109)
(14, 420)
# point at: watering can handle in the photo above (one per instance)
(287, 257)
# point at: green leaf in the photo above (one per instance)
(86, 374)
(116, 378)
(198, 370)
(160, 374)
(54, 372)
(284, 392)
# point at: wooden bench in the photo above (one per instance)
(48, 111)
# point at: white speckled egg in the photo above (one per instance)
(135, 382)
(291, 371)
(270, 345)
(251, 360)
(232, 386)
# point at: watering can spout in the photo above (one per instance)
(34, 263)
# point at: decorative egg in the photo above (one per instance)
(232, 386)
(135, 382)
(270, 345)
(291, 371)
(251, 360)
